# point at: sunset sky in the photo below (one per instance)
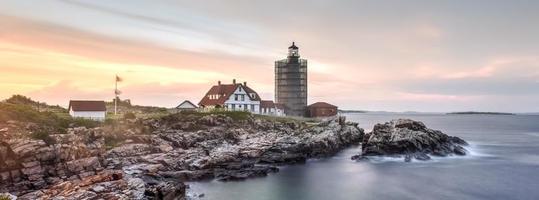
(396, 56)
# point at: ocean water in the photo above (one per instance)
(503, 163)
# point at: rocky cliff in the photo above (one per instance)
(150, 158)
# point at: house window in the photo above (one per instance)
(242, 97)
(253, 107)
(245, 107)
(235, 97)
(239, 89)
(233, 106)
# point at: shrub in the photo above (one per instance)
(112, 141)
(42, 135)
(88, 123)
(130, 115)
(20, 99)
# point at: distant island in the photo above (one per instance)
(479, 113)
(353, 111)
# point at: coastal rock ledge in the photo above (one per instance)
(151, 158)
(409, 139)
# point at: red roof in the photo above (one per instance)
(224, 91)
(267, 104)
(321, 105)
(79, 105)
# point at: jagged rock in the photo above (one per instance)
(244, 173)
(33, 164)
(410, 138)
(166, 191)
(148, 153)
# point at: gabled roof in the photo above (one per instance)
(187, 102)
(251, 91)
(83, 105)
(225, 91)
(321, 105)
(267, 104)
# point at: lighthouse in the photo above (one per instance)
(291, 82)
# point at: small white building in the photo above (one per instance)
(280, 109)
(186, 106)
(235, 97)
(95, 110)
(268, 107)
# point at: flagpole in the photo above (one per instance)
(115, 95)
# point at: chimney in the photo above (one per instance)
(234, 81)
(245, 83)
(218, 82)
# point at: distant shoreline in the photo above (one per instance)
(479, 113)
(438, 113)
(353, 111)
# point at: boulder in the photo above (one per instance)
(411, 139)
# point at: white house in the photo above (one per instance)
(236, 97)
(186, 106)
(95, 110)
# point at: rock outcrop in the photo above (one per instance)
(30, 164)
(410, 139)
(150, 158)
(224, 149)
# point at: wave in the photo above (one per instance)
(473, 152)
(535, 134)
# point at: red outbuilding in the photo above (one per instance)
(321, 109)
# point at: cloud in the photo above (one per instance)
(362, 54)
(56, 38)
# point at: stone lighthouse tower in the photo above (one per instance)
(291, 82)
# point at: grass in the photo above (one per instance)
(4, 197)
(47, 122)
(235, 115)
(287, 119)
